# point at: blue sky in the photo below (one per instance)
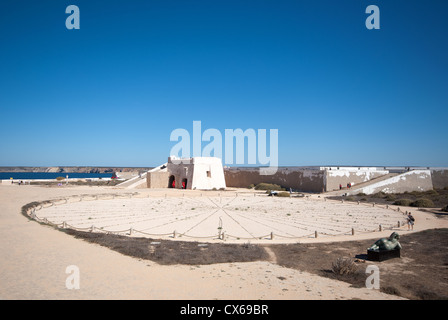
(110, 93)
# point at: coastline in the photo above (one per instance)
(72, 169)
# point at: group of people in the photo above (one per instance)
(349, 185)
(21, 182)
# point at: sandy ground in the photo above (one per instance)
(34, 259)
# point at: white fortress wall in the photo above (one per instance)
(353, 175)
(419, 180)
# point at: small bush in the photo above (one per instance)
(391, 197)
(390, 290)
(445, 208)
(423, 203)
(403, 202)
(251, 186)
(344, 266)
(60, 178)
(268, 186)
(361, 194)
(380, 194)
(432, 193)
(283, 194)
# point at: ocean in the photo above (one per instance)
(50, 175)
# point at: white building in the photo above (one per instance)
(202, 173)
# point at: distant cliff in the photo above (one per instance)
(74, 169)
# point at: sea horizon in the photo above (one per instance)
(51, 175)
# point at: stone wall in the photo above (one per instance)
(415, 180)
(439, 178)
(354, 176)
(157, 179)
(307, 180)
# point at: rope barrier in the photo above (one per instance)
(198, 237)
(32, 213)
(152, 234)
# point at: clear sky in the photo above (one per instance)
(110, 93)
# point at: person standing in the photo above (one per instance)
(411, 221)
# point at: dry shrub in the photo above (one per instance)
(431, 192)
(391, 197)
(268, 186)
(423, 203)
(390, 290)
(344, 266)
(403, 202)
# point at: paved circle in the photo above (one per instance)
(238, 217)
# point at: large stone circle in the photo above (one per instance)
(203, 218)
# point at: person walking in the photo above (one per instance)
(411, 221)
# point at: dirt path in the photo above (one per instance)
(272, 256)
